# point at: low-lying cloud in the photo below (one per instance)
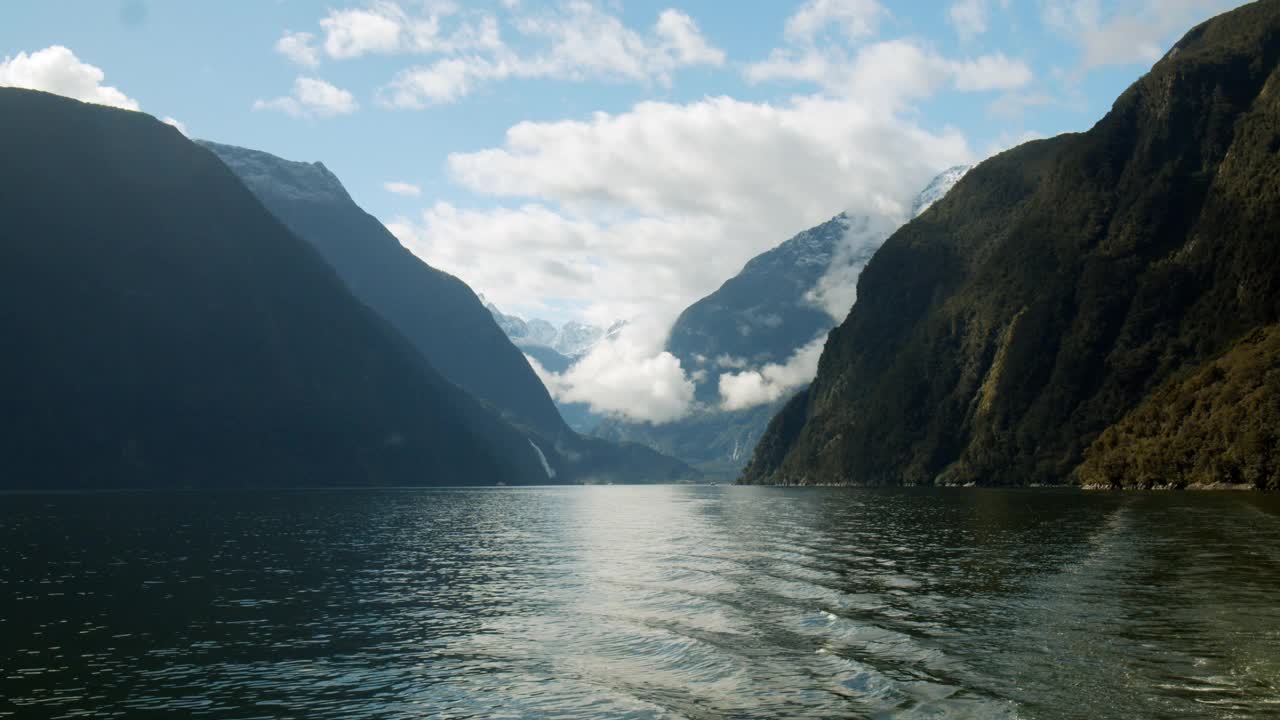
(56, 69)
(626, 376)
(749, 388)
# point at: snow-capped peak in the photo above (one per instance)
(573, 339)
(937, 189)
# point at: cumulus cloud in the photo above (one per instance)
(300, 48)
(442, 82)
(680, 35)
(769, 383)
(608, 211)
(627, 376)
(402, 188)
(311, 97)
(855, 18)
(56, 69)
(355, 32)
(1127, 31)
(574, 41)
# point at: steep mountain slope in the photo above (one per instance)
(438, 313)
(164, 329)
(1218, 424)
(776, 305)
(1061, 284)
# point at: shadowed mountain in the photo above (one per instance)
(1069, 292)
(164, 329)
(437, 312)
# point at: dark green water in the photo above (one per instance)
(640, 602)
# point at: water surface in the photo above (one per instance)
(640, 602)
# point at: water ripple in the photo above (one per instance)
(640, 603)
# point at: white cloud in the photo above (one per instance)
(856, 18)
(582, 43)
(778, 167)
(771, 382)
(680, 34)
(442, 82)
(968, 17)
(311, 97)
(299, 47)
(182, 128)
(56, 69)
(838, 288)
(402, 188)
(352, 33)
(626, 376)
(989, 72)
(893, 72)
(1127, 31)
(383, 27)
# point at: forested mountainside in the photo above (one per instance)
(1067, 293)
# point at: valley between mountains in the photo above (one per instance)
(1096, 309)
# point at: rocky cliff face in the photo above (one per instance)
(1062, 287)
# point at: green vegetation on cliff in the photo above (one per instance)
(1059, 285)
(1221, 424)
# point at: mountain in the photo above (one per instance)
(768, 310)
(520, 331)
(781, 301)
(937, 189)
(438, 313)
(1100, 307)
(163, 329)
(569, 342)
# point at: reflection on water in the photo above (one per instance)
(640, 602)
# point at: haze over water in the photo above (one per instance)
(640, 602)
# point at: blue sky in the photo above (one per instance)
(605, 159)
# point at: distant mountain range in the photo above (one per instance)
(570, 341)
(1099, 308)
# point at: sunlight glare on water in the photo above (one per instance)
(640, 602)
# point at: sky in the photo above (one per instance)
(605, 159)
